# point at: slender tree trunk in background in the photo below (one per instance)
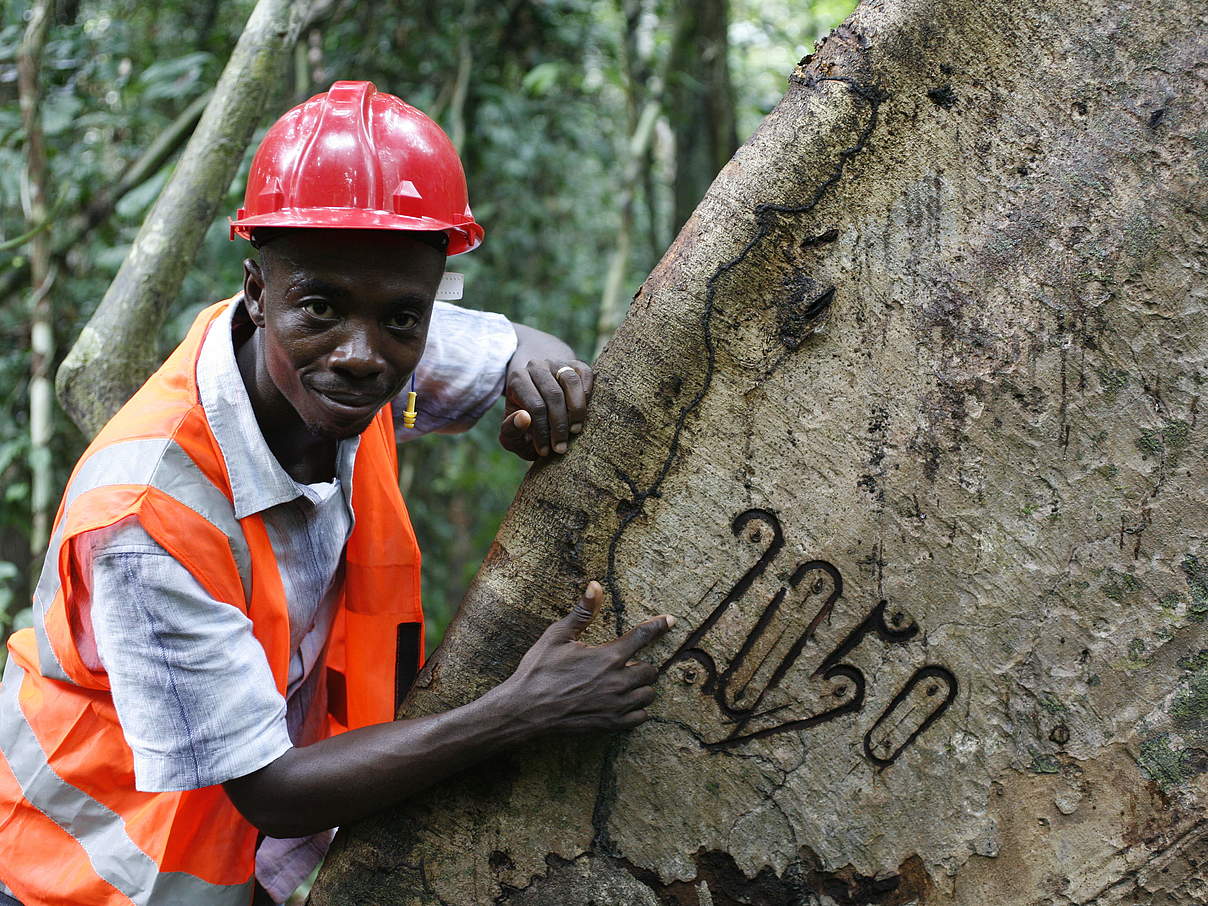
(612, 304)
(93, 383)
(41, 333)
(302, 81)
(209, 19)
(461, 550)
(461, 81)
(66, 12)
(656, 237)
(642, 94)
(315, 56)
(905, 430)
(700, 100)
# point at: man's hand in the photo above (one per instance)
(561, 684)
(564, 685)
(547, 393)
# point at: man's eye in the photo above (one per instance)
(317, 308)
(403, 320)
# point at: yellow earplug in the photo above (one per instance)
(409, 413)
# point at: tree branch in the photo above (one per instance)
(101, 207)
(93, 383)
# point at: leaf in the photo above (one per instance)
(10, 123)
(173, 78)
(59, 111)
(12, 164)
(543, 78)
(12, 449)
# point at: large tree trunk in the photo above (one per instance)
(905, 429)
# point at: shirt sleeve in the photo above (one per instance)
(462, 372)
(193, 690)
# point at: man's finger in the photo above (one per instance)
(557, 425)
(631, 719)
(637, 698)
(576, 400)
(523, 394)
(642, 634)
(513, 434)
(587, 377)
(572, 625)
(639, 674)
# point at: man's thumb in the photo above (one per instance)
(517, 422)
(583, 612)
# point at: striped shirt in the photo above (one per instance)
(191, 685)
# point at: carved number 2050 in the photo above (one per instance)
(885, 739)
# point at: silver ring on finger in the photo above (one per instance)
(558, 373)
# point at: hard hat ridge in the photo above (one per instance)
(358, 158)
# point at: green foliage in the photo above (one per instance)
(544, 109)
(768, 38)
(113, 77)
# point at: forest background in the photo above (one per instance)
(588, 130)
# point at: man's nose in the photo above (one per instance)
(357, 357)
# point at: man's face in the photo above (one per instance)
(344, 317)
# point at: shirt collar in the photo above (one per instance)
(257, 480)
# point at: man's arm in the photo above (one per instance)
(199, 705)
(473, 356)
(191, 684)
(560, 685)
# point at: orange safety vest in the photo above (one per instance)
(73, 829)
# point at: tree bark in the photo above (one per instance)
(92, 382)
(904, 429)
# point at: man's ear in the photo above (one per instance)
(253, 291)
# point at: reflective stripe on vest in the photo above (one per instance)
(157, 462)
(100, 831)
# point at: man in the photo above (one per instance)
(230, 607)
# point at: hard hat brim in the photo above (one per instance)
(463, 237)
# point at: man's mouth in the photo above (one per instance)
(352, 402)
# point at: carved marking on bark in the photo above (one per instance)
(766, 216)
(936, 678)
(736, 688)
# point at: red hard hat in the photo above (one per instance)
(358, 158)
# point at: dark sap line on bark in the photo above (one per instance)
(894, 631)
(764, 215)
(765, 218)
